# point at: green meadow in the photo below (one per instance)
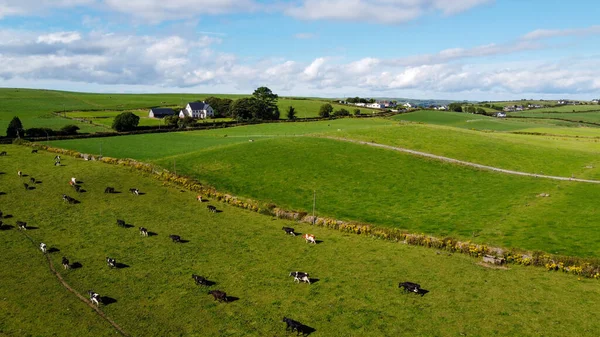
(248, 256)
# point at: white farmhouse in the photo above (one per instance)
(197, 110)
(376, 106)
(407, 105)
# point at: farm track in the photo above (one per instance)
(465, 163)
(83, 299)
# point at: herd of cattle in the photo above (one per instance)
(218, 295)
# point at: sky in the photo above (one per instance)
(421, 49)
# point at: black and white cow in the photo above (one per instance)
(175, 238)
(94, 297)
(112, 263)
(43, 247)
(19, 173)
(211, 208)
(134, 191)
(218, 295)
(143, 231)
(413, 288)
(26, 186)
(22, 225)
(68, 199)
(200, 280)
(65, 263)
(121, 223)
(289, 230)
(32, 180)
(300, 276)
(293, 325)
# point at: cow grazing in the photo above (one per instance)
(200, 280)
(175, 238)
(295, 326)
(218, 295)
(211, 208)
(300, 276)
(121, 223)
(109, 190)
(413, 288)
(57, 163)
(34, 151)
(73, 181)
(3, 153)
(309, 238)
(94, 297)
(112, 263)
(68, 199)
(22, 225)
(19, 173)
(32, 180)
(134, 191)
(65, 263)
(77, 188)
(199, 198)
(288, 230)
(43, 247)
(143, 231)
(26, 185)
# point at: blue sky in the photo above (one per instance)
(459, 49)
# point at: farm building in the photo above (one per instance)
(197, 110)
(160, 112)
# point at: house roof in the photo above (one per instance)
(198, 105)
(162, 111)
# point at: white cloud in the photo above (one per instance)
(313, 70)
(60, 37)
(36, 7)
(379, 11)
(549, 33)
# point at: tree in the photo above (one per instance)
(291, 113)
(171, 120)
(125, 121)
(15, 128)
(70, 129)
(471, 109)
(186, 121)
(220, 106)
(456, 107)
(341, 112)
(265, 104)
(242, 109)
(325, 110)
(356, 112)
(481, 111)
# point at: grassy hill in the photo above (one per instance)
(249, 257)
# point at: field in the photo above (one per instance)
(36, 108)
(248, 256)
(287, 162)
(579, 117)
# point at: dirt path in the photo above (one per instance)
(465, 163)
(69, 288)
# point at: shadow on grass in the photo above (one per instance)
(183, 241)
(32, 228)
(119, 265)
(232, 299)
(75, 265)
(2, 193)
(53, 250)
(106, 300)
(8, 216)
(318, 241)
(152, 234)
(5, 227)
(314, 280)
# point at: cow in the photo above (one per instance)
(57, 158)
(34, 151)
(300, 276)
(65, 263)
(32, 180)
(43, 247)
(175, 238)
(309, 238)
(199, 198)
(218, 295)
(134, 191)
(57, 163)
(73, 181)
(112, 263)
(143, 231)
(200, 280)
(22, 225)
(294, 325)
(211, 208)
(94, 297)
(68, 199)
(19, 173)
(26, 186)
(413, 287)
(77, 188)
(288, 230)
(109, 190)
(3, 153)
(121, 223)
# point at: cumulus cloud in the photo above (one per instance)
(60, 37)
(36, 7)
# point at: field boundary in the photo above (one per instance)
(70, 289)
(462, 162)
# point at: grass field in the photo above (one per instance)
(248, 256)
(587, 117)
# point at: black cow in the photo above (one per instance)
(3, 153)
(295, 325)
(413, 288)
(211, 208)
(289, 230)
(200, 280)
(34, 151)
(77, 188)
(121, 223)
(175, 238)
(143, 231)
(65, 263)
(111, 262)
(109, 190)
(218, 295)
(94, 297)
(26, 186)
(68, 199)
(134, 191)
(300, 276)
(22, 225)
(32, 180)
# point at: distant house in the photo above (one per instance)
(500, 115)
(561, 102)
(359, 104)
(197, 110)
(509, 108)
(441, 107)
(376, 105)
(407, 105)
(596, 101)
(519, 108)
(160, 112)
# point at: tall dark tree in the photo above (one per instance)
(325, 110)
(267, 100)
(220, 106)
(126, 121)
(15, 128)
(242, 109)
(291, 113)
(456, 107)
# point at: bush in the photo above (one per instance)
(39, 132)
(69, 129)
(325, 110)
(126, 121)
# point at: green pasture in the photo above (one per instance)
(585, 117)
(564, 109)
(249, 257)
